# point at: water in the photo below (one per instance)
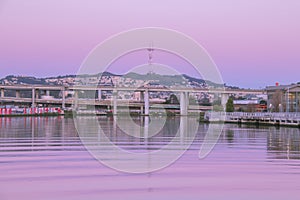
(43, 158)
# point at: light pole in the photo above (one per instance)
(280, 108)
(270, 107)
(288, 100)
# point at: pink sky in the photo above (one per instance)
(254, 43)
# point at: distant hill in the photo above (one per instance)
(165, 80)
(150, 78)
(22, 80)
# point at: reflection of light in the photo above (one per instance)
(288, 150)
(288, 100)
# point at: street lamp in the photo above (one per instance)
(288, 100)
(280, 107)
(270, 107)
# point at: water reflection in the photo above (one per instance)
(127, 147)
(284, 143)
(43, 158)
(280, 143)
(229, 135)
(36, 127)
(38, 132)
(165, 135)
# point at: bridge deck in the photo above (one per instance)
(150, 89)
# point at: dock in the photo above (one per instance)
(267, 118)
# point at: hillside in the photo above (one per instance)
(129, 79)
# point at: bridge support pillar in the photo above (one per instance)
(146, 102)
(18, 94)
(142, 96)
(2, 92)
(184, 103)
(99, 94)
(37, 94)
(63, 92)
(224, 99)
(115, 99)
(75, 99)
(33, 95)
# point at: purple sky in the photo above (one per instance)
(254, 43)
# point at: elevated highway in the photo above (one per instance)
(145, 103)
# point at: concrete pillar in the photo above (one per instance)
(2, 92)
(18, 94)
(142, 109)
(183, 110)
(184, 103)
(224, 99)
(33, 98)
(142, 96)
(99, 94)
(146, 102)
(75, 99)
(63, 106)
(187, 100)
(115, 99)
(36, 94)
(47, 92)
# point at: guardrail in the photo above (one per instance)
(285, 115)
(292, 119)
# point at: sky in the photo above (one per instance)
(254, 43)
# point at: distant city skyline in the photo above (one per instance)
(254, 43)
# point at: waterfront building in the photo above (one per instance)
(284, 98)
(250, 105)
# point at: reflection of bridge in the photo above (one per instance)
(144, 103)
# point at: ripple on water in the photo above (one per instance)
(43, 158)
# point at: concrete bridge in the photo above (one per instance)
(144, 103)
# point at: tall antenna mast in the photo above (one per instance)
(150, 57)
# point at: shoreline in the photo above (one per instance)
(201, 119)
(32, 115)
(252, 123)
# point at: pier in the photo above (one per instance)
(278, 119)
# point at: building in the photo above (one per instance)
(252, 105)
(283, 98)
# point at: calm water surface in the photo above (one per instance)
(43, 158)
